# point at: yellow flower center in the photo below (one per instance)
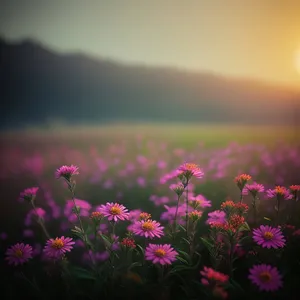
(19, 253)
(115, 210)
(268, 235)
(145, 216)
(148, 226)
(279, 190)
(265, 276)
(191, 167)
(57, 244)
(160, 252)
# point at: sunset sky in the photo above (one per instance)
(257, 38)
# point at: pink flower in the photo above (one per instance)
(216, 216)
(177, 188)
(188, 170)
(255, 188)
(279, 192)
(212, 276)
(160, 254)
(56, 248)
(114, 211)
(266, 277)
(28, 194)
(201, 201)
(18, 254)
(147, 228)
(268, 237)
(66, 172)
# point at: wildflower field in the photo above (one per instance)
(150, 212)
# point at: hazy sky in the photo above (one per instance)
(249, 38)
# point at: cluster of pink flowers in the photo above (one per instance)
(54, 249)
(230, 218)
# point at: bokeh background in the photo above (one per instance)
(127, 90)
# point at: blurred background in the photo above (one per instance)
(129, 89)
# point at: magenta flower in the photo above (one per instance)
(268, 237)
(210, 275)
(56, 248)
(148, 229)
(28, 194)
(188, 170)
(255, 188)
(160, 254)
(201, 201)
(279, 192)
(266, 277)
(114, 211)
(178, 188)
(18, 254)
(217, 216)
(66, 172)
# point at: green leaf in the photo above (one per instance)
(207, 244)
(184, 254)
(268, 219)
(83, 273)
(186, 240)
(182, 260)
(134, 264)
(236, 285)
(141, 248)
(245, 227)
(106, 240)
(182, 228)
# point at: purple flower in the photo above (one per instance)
(114, 211)
(66, 172)
(188, 170)
(28, 194)
(217, 216)
(268, 237)
(160, 254)
(18, 254)
(266, 277)
(201, 201)
(56, 248)
(279, 192)
(255, 188)
(147, 228)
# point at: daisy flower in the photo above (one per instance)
(18, 254)
(66, 172)
(268, 237)
(188, 170)
(160, 254)
(28, 194)
(255, 188)
(217, 216)
(279, 192)
(241, 180)
(148, 229)
(56, 248)
(114, 211)
(266, 277)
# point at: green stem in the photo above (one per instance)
(176, 213)
(40, 221)
(187, 208)
(254, 210)
(232, 244)
(277, 212)
(71, 188)
(241, 196)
